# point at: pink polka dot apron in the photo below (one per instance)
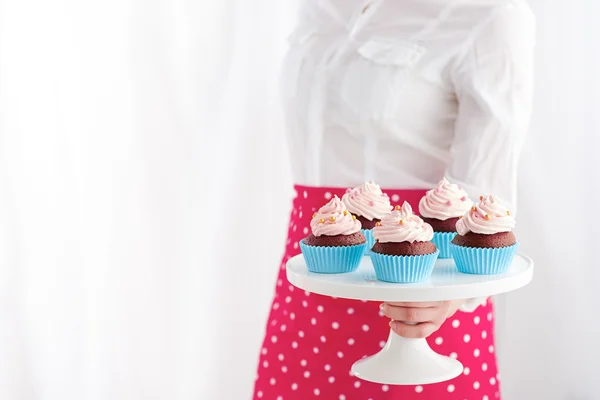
(312, 341)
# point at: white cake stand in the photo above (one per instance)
(409, 361)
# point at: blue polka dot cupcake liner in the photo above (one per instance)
(403, 269)
(483, 261)
(442, 242)
(370, 240)
(332, 260)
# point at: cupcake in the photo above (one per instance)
(485, 243)
(369, 204)
(403, 251)
(441, 208)
(336, 243)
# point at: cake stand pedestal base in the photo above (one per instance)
(407, 362)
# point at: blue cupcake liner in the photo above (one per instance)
(332, 260)
(479, 261)
(370, 240)
(403, 269)
(442, 242)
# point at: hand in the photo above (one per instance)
(419, 320)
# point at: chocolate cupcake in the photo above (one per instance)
(369, 204)
(403, 251)
(336, 244)
(485, 243)
(441, 208)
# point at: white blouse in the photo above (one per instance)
(406, 91)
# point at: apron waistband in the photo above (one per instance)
(324, 194)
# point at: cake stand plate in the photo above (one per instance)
(409, 361)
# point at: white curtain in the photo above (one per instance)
(143, 196)
(548, 332)
(144, 192)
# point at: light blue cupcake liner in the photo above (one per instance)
(403, 269)
(479, 261)
(370, 240)
(332, 260)
(442, 242)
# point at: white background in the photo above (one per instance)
(144, 192)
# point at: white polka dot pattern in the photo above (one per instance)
(313, 340)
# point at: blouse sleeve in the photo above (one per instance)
(493, 80)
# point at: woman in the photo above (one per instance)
(402, 92)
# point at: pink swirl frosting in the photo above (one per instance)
(367, 200)
(486, 217)
(334, 219)
(446, 201)
(403, 226)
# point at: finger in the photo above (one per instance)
(409, 314)
(428, 304)
(418, 331)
